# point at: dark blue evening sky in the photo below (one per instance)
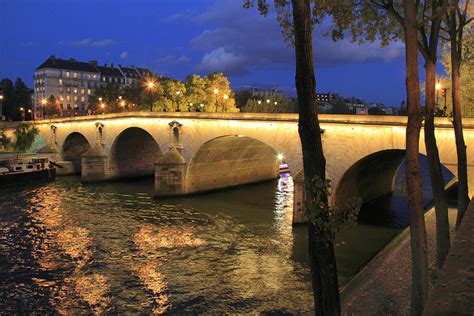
(177, 37)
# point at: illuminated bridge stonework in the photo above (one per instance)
(195, 152)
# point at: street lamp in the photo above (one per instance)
(29, 112)
(151, 86)
(437, 87)
(22, 113)
(43, 105)
(177, 104)
(1, 105)
(102, 106)
(268, 100)
(216, 91)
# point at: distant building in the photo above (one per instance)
(352, 103)
(327, 97)
(72, 82)
(362, 111)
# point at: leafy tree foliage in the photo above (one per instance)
(24, 137)
(52, 107)
(376, 111)
(340, 108)
(15, 96)
(241, 98)
(466, 80)
(211, 93)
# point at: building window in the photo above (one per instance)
(83, 99)
(75, 98)
(75, 75)
(89, 91)
(68, 74)
(68, 98)
(83, 91)
(75, 91)
(103, 79)
(60, 82)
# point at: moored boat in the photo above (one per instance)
(21, 171)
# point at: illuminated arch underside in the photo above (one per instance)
(229, 161)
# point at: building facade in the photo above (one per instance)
(72, 82)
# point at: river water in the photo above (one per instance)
(112, 248)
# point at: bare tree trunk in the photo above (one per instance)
(456, 55)
(321, 249)
(437, 181)
(463, 193)
(419, 292)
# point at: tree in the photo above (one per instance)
(340, 108)
(52, 107)
(297, 29)
(173, 95)
(376, 111)
(241, 98)
(22, 97)
(15, 96)
(419, 291)
(24, 137)
(9, 100)
(219, 94)
(196, 92)
(106, 99)
(456, 20)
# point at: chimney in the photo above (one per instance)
(105, 65)
(53, 58)
(93, 62)
(112, 65)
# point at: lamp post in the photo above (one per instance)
(1, 106)
(437, 87)
(151, 86)
(30, 113)
(102, 106)
(445, 90)
(43, 105)
(22, 113)
(216, 91)
(177, 104)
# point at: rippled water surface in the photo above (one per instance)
(112, 248)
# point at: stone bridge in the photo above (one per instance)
(197, 152)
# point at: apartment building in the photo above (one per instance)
(72, 82)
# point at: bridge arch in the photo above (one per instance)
(74, 146)
(374, 176)
(369, 178)
(230, 160)
(133, 154)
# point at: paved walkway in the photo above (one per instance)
(383, 286)
(453, 293)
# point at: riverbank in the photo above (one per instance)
(453, 293)
(383, 286)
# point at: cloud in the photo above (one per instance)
(87, 42)
(124, 54)
(242, 41)
(218, 60)
(173, 60)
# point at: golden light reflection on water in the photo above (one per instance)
(60, 243)
(150, 238)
